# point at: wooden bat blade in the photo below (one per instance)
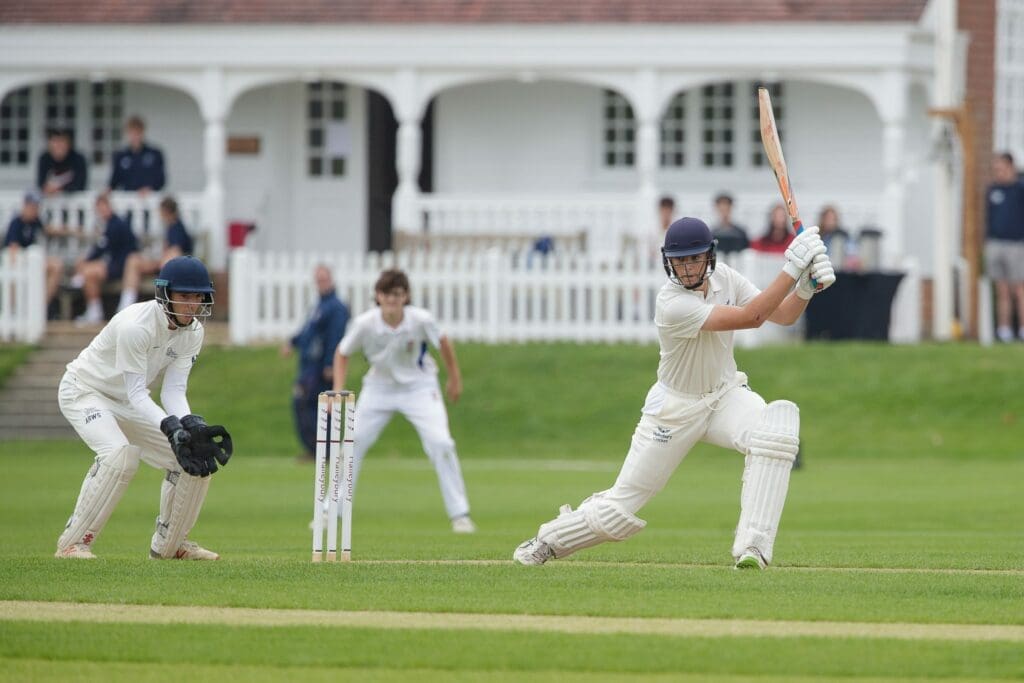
(773, 150)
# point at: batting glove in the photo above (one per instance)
(801, 252)
(821, 272)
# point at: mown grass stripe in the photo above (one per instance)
(234, 616)
(684, 565)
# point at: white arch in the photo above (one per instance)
(183, 82)
(237, 84)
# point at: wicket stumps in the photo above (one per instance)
(334, 474)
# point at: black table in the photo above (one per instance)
(857, 306)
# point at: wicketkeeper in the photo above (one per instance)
(701, 396)
(105, 396)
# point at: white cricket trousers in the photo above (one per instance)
(671, 425)
(107, 426)
(423, 405)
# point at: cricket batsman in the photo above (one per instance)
(105, 396)
(701, 396)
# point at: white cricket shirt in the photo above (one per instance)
(695, 361)
(136, 340)
(397, 355)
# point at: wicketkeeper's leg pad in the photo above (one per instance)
(595, 521)
(181, 499)
(102, 489)
(773, 446)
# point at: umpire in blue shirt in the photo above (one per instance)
(137, 167)
(315, 343)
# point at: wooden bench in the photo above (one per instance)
(70, 299)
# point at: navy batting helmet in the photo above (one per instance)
(688, 237)
(184, 275)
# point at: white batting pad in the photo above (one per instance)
(101, 491)
(181, 499)
(773, 447)
(595, 521)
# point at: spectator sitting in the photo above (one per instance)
(778, 234)
(177, 242)
(23, 231)
(61, 168)
(105, 261)
(841, 248)
(730, 236)
(138, 167)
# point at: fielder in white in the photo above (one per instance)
(701, 396)
(402, 378)
(105, 396)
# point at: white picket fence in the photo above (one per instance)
(490, 296)
(22, 295)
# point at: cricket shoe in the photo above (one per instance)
(188, 550)
(751, 559)
(78, 551)
(463, 525)
(533, 552)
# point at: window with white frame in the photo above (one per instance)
(619, 131)
(326, 128)
(14, 129)
(717, 124)
(707, 127)
(757, 157)
(673, 133)
(1009, 87)
(60, 105)
(107, 115)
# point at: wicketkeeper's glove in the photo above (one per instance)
(210, 442)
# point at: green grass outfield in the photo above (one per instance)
(907, 518)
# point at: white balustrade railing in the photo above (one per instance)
(22, 295)
(606, 219)
(75, 214)
(490, 296)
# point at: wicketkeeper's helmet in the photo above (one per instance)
(181, 275)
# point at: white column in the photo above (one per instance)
(647, 111)
(408, 107)
(214, 111)
(945, 186)
(406, 215)
(894, 195)
(213, 164)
